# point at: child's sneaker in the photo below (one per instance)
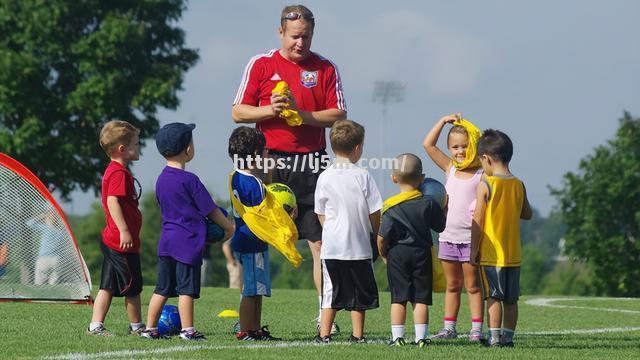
(246, 336)
(335, 329)
(475, 336)
(152, 334)
(422, 343)
(446, 334)
(136, 332)
(508, 344)
(398, 342)
(192, 335)
(236, 327)
(265, 335)
(322, 340)
(357, 340)
(99, 331)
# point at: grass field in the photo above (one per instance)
(550, 329)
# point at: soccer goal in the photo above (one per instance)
(39, 256)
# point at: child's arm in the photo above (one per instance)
(382, 248)
(218, 217)
(430, 141)
(482, 194)
(526, 213)
(3, 254)
(375, 221)
(126, 239)
(321, 219)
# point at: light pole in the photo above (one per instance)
(386, 92)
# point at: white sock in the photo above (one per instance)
(476, 325)
(95, 325)
(136, 326)
(494, 334)
(450, 323)
(151, 329)
(421, 331)
(319, 308)
(189, 329)
(397, 331)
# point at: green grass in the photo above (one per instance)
(29, 330)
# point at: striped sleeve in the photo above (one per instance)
(335, 95)
(248, 92)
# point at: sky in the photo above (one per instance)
(554, 75)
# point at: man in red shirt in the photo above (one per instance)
(316, 93)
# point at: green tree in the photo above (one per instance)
(68, 66)
(569, 278)
(600, 204)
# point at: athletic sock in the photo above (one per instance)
(151, 329)
(397, 331)
(507, 335)
(189, 329)
(476, 325)
(421, 331)
(95, 325)
(136, 326)
(494, 334)
(450, 323)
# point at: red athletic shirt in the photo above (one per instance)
(314, 83)
(118, 181)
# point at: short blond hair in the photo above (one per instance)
(300, 9)
(116, 132)
(345, 135)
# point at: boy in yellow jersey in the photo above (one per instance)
(495, 237)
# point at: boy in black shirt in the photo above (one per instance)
(404, 242)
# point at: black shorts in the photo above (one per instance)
(502, 283)
(176, 278)
(121, 273)
(302, 178)
(349, 285)
(409, 271)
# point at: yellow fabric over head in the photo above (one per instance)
(292, 117)
(471, 159)
(270, 223)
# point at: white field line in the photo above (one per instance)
(545, 302)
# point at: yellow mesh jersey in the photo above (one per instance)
(500, 244)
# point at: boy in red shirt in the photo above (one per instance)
(121, 273)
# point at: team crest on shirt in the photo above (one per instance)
(309, 79)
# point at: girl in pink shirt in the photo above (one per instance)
(463, 176)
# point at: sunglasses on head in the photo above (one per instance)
(297, 15)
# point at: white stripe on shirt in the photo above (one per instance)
(246, 75)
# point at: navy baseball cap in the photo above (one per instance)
(173, 138)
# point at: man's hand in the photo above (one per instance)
(126, 240)
(279, 103)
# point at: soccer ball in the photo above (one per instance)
(284, 196)
(169, 323)
(215, 233)
(434, 189)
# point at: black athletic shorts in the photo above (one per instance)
(409, 271)
(300, 173)
(176, 278)
(348, 285)
(121, 273)
(501, 283)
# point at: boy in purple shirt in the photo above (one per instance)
(184, 203)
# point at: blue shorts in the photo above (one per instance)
(256, 276)
(176, 278)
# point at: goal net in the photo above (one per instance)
(39, 256)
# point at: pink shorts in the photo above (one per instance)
(454, 252)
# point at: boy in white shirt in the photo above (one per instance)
(348, 205)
